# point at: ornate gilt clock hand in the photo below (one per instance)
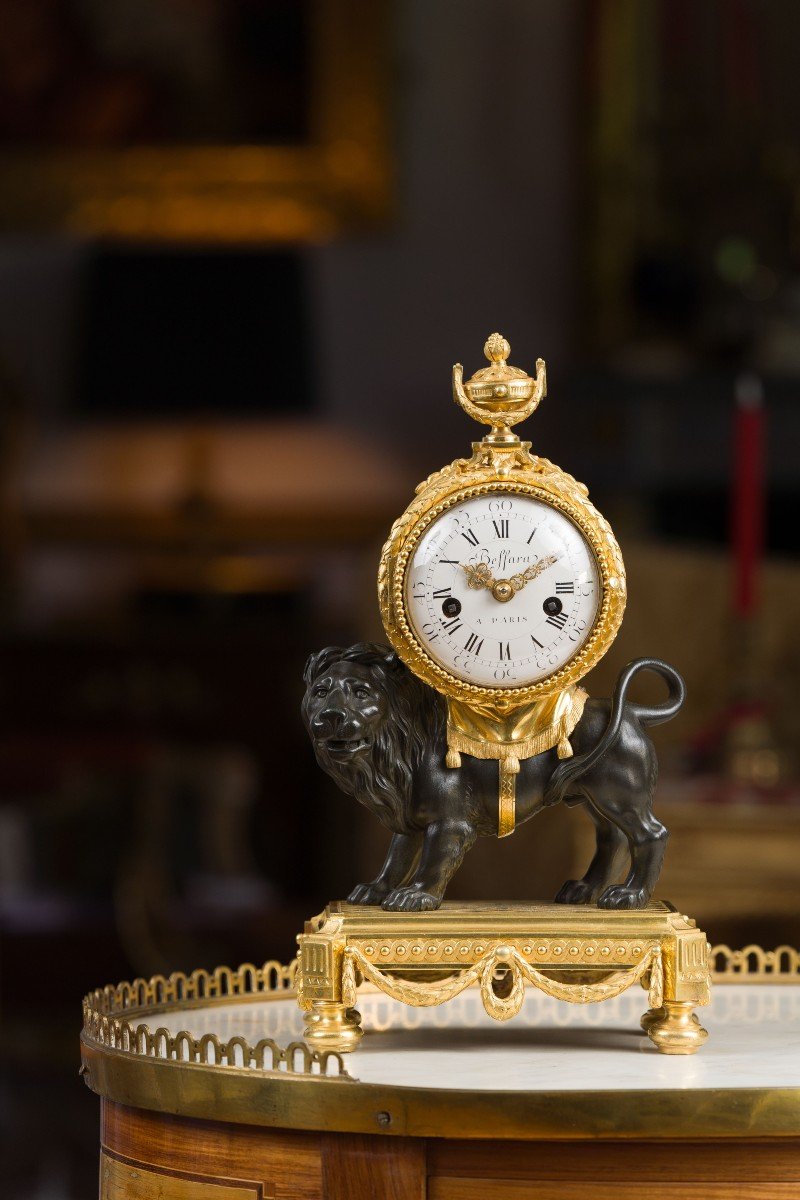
(518, 581)
(504, 589)
(478, 576)
(536, 569)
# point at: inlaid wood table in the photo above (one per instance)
(208, 1094)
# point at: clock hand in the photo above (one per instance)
(518, 581)
(478, 576)
(504, 589)
(536, 569)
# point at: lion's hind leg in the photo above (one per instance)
(620, 788)
(647, 843)
(605, 865)
(647, 839)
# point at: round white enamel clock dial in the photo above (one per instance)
(502, 590)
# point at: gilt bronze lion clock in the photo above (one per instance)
(500, 586)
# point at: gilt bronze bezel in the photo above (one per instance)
(444, 493)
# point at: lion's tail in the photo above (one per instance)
(572, 768)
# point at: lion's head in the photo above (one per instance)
(369, 720)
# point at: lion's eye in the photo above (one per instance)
(361, 693)
(320, 692)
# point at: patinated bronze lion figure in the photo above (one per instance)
(381, 735)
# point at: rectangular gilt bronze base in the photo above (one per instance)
(579, 954)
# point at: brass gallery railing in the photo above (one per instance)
(109, 1013)
(755, 965)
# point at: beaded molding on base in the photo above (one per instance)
(502, 995)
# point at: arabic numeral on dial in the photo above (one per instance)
(430, 631)
(418, 591)
(576, 632)
(504, 673)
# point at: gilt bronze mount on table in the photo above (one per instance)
(500, 587)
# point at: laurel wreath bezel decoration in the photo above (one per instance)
(463, 481)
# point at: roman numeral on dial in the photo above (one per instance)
(536, 642)
(473, 644)
(470, 536)
(441, 594)
(564, 588)
(452, 626)
(505, 651)
(557, 619)
(501, 528)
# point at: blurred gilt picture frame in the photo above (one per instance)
(194, 120)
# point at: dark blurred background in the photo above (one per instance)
(241, 244)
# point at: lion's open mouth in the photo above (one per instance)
(337, 746)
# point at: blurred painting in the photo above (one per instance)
(110, 73)
(202, 121)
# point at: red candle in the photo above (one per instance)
(748, 493)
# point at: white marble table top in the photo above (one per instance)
(754, 1042)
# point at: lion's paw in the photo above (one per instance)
(367, 893)
(575, 891)
(410, 899)
(620, 896)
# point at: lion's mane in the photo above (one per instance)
(416, 719)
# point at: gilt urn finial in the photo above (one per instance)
(500, 395)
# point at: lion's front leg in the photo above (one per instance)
(445, 844)
(401, 859)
